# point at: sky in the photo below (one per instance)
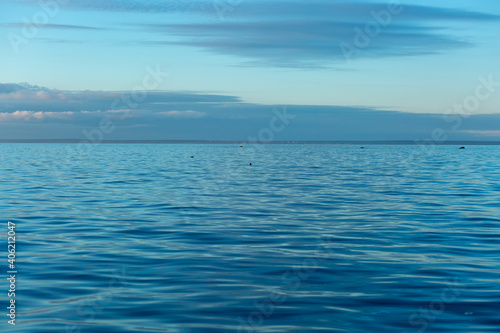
(247, 70)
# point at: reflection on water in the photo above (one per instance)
(143, 238)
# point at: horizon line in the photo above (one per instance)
(345, 142)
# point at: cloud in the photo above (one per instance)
(308, 43)
(487, 133)
(50, 26)
(148, 6)
(23, 96)
(24, 91)
(295, 34)
(33, 115)
(194, 116)
(348, 10)
(182, 114)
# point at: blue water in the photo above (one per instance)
(310, 238)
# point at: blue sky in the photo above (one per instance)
(347, 70)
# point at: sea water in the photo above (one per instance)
(308, 238)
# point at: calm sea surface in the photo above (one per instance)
(309, 238)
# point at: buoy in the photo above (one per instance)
(249, 163)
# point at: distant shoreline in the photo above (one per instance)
(408, 142)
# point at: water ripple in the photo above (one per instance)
(326, 238)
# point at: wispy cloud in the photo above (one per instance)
(486, 133)
(348, 10)
(182, 114)
(33, 115)
(299, 43)
(189, 115)
(287, 33)
(26, 93)
(51, 26)
(295, 34)
(24, 96)
(149, 6)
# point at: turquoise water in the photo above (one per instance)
(309, 238)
